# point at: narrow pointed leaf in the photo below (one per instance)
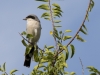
(60, 32)
(83, 31)
(68, 30)
(24, 43)
(72, 50)
(67, 53)
(57, 12)
(4, 69)
(58, 9)
(46, 18)
(29, 36)
(93, 74)
(56, 5)
(57, 26)
(72, 73)
(87, 17)
(28, 48)
(66, 37)
(50, 47)
(55, 35)
(1, 69)
(44, 6)
(44, 61)
(23, 33)
(45, 14)
(80, 39)
(35, 56)
(13, 71)
(57, 21)
(84, 27)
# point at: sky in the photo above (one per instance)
(12, 51)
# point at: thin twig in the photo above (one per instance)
(82, 66)
(78, 29)
(53, 24)
(30, 42)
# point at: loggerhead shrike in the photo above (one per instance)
(34, 28)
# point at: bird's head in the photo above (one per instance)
(32, 17)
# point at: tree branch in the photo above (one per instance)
(78, 29)
(30, 42)
(52, 24)
(82, 66)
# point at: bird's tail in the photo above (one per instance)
(28, 57)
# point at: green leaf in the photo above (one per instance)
(65, 73)
(57, 26)
(67, 53)
(47, 18)
(92, 69)
(4, 74)
(50, 47)
(58, 9)
(44, 6)
(58, 12)
(72, 50)
(42, 0)
(72, 73)
(1, 69)
(91, 5)
(41, 65)
(66, 37)
(36, 58)
(4, 69)
(56, 5)
(28, 48)
(83, 31)
(23, 33)
(65, 64)
(43, 61)
(87, 17)
(60, 32)
(45, 14)
(35, 67)
(68, 30)
(13, 71)
(29, 36)
(57, 21)
(24, 43)
(80, 39)
(93, 74)
(84, 27)
(55, 35)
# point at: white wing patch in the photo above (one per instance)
(35, 32)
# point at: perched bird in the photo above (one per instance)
(34, 28)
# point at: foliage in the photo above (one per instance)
(52, 59)
(3, 70)
(93, 70)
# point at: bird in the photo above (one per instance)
(33, 27)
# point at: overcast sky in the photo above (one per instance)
(12, 51)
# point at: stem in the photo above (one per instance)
(30, 42)
(78, 29)
(52, 24)
(82, 66)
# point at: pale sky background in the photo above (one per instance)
(12, 51)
